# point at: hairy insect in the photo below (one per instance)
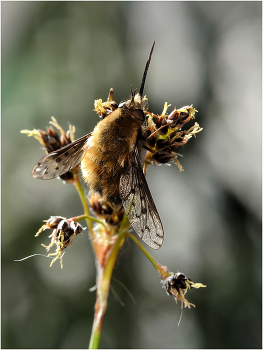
(110, 162)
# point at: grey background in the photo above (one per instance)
(57, 58)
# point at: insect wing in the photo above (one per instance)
(61, 161)
(139, 205)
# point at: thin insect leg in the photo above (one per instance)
(160, 128)
(147, 148)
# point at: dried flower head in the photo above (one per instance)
(177, 284)
(103, 210)
(52, 141)
(63, 235)
(105, 108)
(166, 135)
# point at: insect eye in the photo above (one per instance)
(138, 114)
(122, 104)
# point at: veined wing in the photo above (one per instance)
(139, 205)
(61, 161)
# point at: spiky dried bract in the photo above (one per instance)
(63, 235)
(52, 141)
(166, 135)
(137, 102)
(103, 210)
(105, 108)
(177, 284)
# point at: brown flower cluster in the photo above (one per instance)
(63, 235)
(103, 210)
(105, 108)
(52, 141)
(177, 284)
(166, 135)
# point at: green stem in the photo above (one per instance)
(152, 260)
(104, 274)
(91, 218)
(162, 270)
(84, 203)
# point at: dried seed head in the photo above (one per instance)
(52, 141)
(65, 139)
(103, 210)
(63, 235)
(177, 284)
(105, 108)
(165, 136)
(176, 281)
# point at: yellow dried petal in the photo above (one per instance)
(166, 106)
(35, 133)
(55, 123)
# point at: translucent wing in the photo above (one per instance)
(61, 161)
(139, 205)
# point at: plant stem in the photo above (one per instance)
(104, 273)
(84, 203)
(162, 270)
(91, 218)
(152, 260)
(106, 256)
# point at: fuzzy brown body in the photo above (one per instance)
(108, 153)
(109, 158)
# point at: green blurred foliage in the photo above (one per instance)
(57, 58)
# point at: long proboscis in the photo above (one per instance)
(146, 70)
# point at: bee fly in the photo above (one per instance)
(110, 162)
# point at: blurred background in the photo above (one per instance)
(57, 58)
